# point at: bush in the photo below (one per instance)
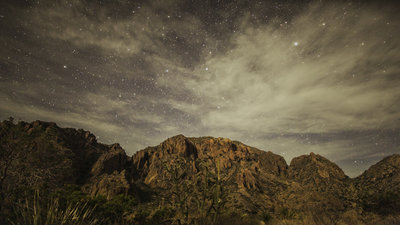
(115, 209)
(286, 213)
(235, 218)
(266, 217)
(111, 211)
(71, 194)
(162, 216)
(37, 212)
(384, 203)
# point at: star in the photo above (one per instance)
(296, 43)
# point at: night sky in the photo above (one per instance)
(292, 77)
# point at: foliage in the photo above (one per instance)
(384, 203)
(235, 218)
(162, 216)
(116, 208)
(111, 211)
(70, 193)
(286, 213)
(266, 216)
(37, 212)
(141, 216)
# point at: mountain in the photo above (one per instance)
(250, 175)
(216, 172)
(379, 186)
(384, 175)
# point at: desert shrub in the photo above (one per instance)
(266, 216)
(115, 209)
(111, 211)
(70, 193)
(388, 220)
(162, 216)
(319, 218)
(286, 213)
(39, 212)
(140, 216)
(235, 218)
(383, 203)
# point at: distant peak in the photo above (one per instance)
(312, 157)
(383, 168)
(314, 165)
(394, 156)
(393, 160)
(179, 136)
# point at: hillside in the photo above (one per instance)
(183, 179)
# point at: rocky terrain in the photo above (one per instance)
(226, 174)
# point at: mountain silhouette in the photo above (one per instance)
(250, 181)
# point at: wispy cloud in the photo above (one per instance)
(321, 84)
(310, 77)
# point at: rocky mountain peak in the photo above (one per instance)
(243, 166)
(179, 145)
(315, 171)
(384, 175)
(384, 168)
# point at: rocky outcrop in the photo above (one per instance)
(315, 171)
(110, 184)
(109, 176)
(114, 159)
(247, 172)
(56, 155)
(230, 156)
(59, 156)
(378, 187)
(383, 175)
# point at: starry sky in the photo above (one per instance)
(291, 77)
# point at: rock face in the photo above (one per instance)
(248, 172)
(109, 175)
(114, 159)
(55, 156)
(230, 155)
(254, 180)
(385, 175)
(318, 185)
(110, 185)
(316, 172)
(379, 186)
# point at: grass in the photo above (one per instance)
(36, 212)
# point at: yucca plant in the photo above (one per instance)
(36, 212)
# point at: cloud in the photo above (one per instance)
(336, 79)
(330, 81)
(66, 119)
(290, 78)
